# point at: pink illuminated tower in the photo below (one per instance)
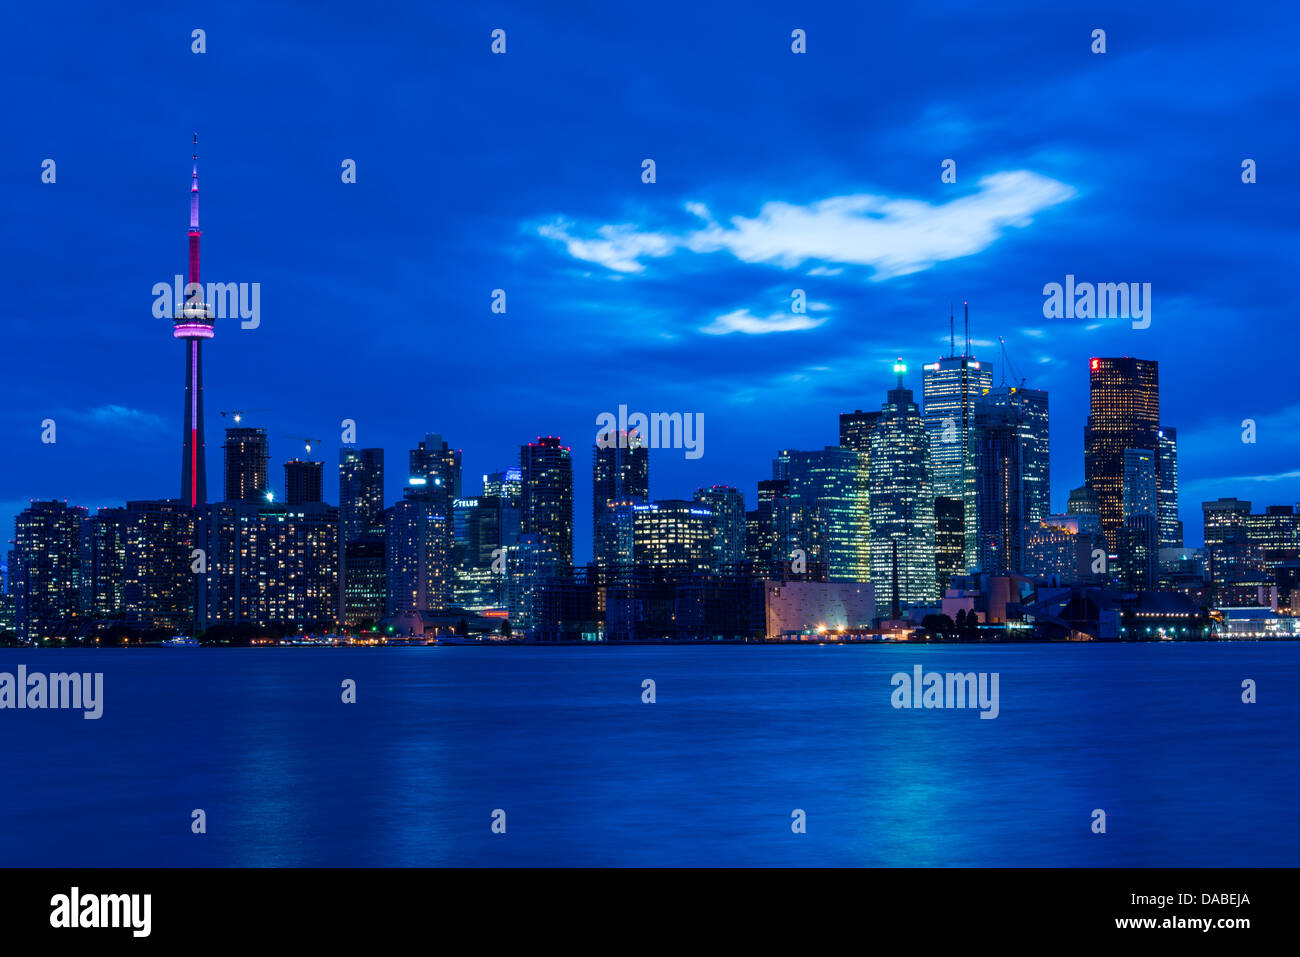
(192, 324)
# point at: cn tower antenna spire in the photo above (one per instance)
(194, 215)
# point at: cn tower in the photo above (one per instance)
(192, 324)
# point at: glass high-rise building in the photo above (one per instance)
(827, 486)
(949, 541)
(1171, 527)
(418, 532)
(361, 491)
(620, 472)
(546, 468)
(728, 507)
(902, 504)
(247, 458)
(950, 388)
(1124, 413)
(856, 428)
(673, 536)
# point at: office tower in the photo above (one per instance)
(781, 541)
(1138, 538)
(1124, 413)
(1001, 494)
(855, 433)
(365, 585)
(1247, 552)
(303, 482)
(1171, 529)
(949, 390)
(949, 541)
(1083, 501)
(419, 551)
(620, 472)
(247, 458)
(728, 507)
(856, 428)
(546, 469)
(673, 536)
(272, 564)
(192, 324)
(48, 571)
(483, 528)
(826, 486)
(506, 485)
(361, 490)
(902, 504)
(1031, 406)
(531, 563)
(439, 465)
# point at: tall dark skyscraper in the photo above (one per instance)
(49, 570)
(1124, 413)
(1000, 487)
(620, 472)
(1171, 528)
(546, 469)
(1032, 413)
(192, 323)
(247, 458)
(303, 482)
(361, 491)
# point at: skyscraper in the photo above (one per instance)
(1139, 534)
(1000, 487)
(620, 472)
(192, 323)
(672, 536)
(950, 388)
(303, 482)
(826, 485)
(1171, 528)
(419, 551)
(1035, 452)
(1124, 413)
(361, 490)
(48, 571)
(728, 507)
(902, 504)
(546, 469)
(247, 458)
(855, 434)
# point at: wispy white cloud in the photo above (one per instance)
(891, 236)
(742, 320)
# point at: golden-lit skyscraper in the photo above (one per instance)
(1124, 413)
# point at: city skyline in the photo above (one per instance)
(646, 316)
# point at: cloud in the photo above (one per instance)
(119, 416)
(742, 320)
(893, 237)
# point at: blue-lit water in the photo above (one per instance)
(739, 737)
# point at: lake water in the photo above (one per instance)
(1156, 735)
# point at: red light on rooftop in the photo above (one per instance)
(1096, 363)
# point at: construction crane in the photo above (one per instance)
(1006, 364)
(238, 414)
(307, 442)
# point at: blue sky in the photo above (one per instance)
(775, 171)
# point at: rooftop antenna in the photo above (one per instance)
(966, 307)
(952, 340)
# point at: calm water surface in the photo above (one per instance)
(740, 736)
